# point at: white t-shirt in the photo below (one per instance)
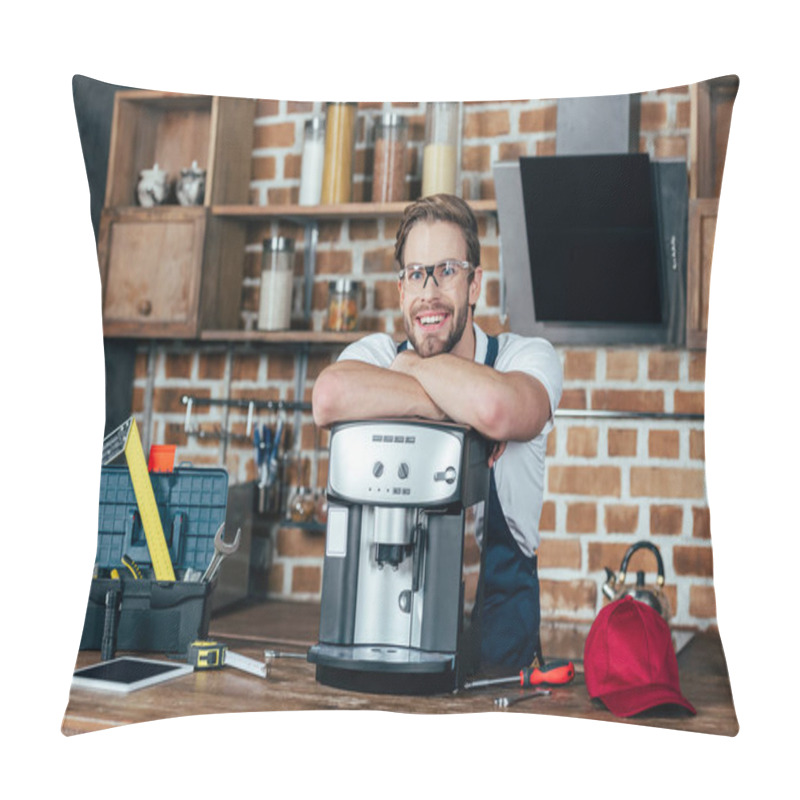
(519, 474)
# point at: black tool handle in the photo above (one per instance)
(108, 647)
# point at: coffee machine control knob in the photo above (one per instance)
(402, 471)
(377, 469)
(448, 476)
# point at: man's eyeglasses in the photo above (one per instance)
(444, 274)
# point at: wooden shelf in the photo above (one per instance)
(288, 337)
(339, 211)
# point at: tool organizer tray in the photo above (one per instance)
(192, 503)
(156, 616)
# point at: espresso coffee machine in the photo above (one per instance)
(392, 584)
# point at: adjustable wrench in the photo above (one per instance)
(221, 549)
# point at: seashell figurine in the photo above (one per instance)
(191, 186)
(152, 187)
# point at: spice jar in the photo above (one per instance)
(389, 172)
(301, 505)
(342, 305)
(312, 161)
(440, 155)
(275, 302)
(340, 142)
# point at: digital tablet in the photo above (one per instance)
(126, 674)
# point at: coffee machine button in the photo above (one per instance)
(377, 469)
(402, 471)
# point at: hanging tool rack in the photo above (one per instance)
(252, 406)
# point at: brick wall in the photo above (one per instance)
(610, 482)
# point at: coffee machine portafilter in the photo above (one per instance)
(392, 585)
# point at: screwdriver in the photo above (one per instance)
(556, 672)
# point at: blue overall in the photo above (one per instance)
(506, 615)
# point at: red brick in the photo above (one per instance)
(361, 229)
(606, 554)
(263, 168)
(666, 519)
(267, 108)
(386, 295)
(486, 123)
(671, 147)
(560, 554)
(547, 520)
(666, 482)
(653, 116)
(244, 366)
(280, 366)
(581, 518)
(593, 481)
(697, 365)
(702, 602)
(476, 159)
(627, 400)
(381, 260)
(689, 402)
(280, 134)
(178, 365)
(621, 442)
(275, 579)
(292, 165)
(538, 120)
(169, 400)
(580, 365)
(334, 261)
(663, 366)
(693, 561)
(621, 518)
(568, 596)
(622, 365)
(550, 447)
(701, 523)
(306, 580)
(546, 147)
(299, 543)
(511, 151)
(582, 441)
(697, 445)
(664, 444)
(683, 114)
(573, 399)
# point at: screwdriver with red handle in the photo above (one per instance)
(554, 673)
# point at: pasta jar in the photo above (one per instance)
(342, 305)
(313, 160)
(440, 155)
(340, 143)
(389, 171)
(277, 277)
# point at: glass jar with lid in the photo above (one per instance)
(343, 304)
(277, 278)
(340, 142)
(313, 160)
(440, 155)
(389, 163)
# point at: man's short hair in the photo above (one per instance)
(440, 208)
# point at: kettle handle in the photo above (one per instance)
(639, 546)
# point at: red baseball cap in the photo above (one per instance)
(629, 661)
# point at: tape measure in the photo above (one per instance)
(206, 655)
(125, 439)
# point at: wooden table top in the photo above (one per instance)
(291, 683)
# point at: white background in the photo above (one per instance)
(53, 383)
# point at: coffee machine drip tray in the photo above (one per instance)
(384, 669)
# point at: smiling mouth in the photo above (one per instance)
(432, 321)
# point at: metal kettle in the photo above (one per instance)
(614, 588)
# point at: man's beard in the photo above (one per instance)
(431, 345)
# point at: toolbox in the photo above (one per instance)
(156, 616)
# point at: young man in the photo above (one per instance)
(507, 388)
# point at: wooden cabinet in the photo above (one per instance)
(711, 107)
(173, 271)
